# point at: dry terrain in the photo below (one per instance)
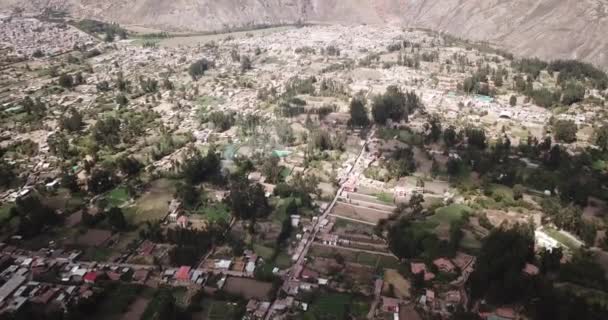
(548, 29)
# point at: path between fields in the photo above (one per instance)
(380, 253)
(351, 219)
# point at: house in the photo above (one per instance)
(141, 275)
(309, 274)
(174, 209)
(183, 274)
(10, 286)
(250, 267)
(530, 269)
(51, 186)
(252, 305)
(255, 176)
(419, 267)
(90, 277)
(453, 297)
(223, 264)
(444, 265)
(390, 305)
(182, 221)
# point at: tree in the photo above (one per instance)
(518, 192)
(110, 35)
(34, 215)
(121, 100)
(433, 128)
(271, 169)
(196, 168)
(116, 218)
(402, 162)
(187, 193)
(450, 137)
(100, 181)
(106, 132)
(550, 260)
(408, 242)
(390, 105)
(415, 203)
(128, 165)
(247, 201)
(72, 122)
(222, 121)
(565, 131)
(59, 145)
(66, 81)
(69, 181)
(498, 271)
(198, 68)
(7, 175)
(573, 93)
(476, 138)
(287, 227)
(358, 113)
(245, 63)
(601, 137)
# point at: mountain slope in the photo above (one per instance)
(546, 28)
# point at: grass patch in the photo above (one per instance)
(216, 212)
(117, 196)
(97, 253)
(387, 262)
(220, 310)
(5, 211)
(330, 306)
(118, 300)
(264, 252)
(450, 213)
(154, 204)
(367, 259)
(283, 260)
(385, 197)
(359, 308)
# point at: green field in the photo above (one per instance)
(119, 297)
(216, 212)
(364, 258)
(330, 306)
(262, 251)
(220, 310)
(117, 197)
(97, 254)
(449, 214)
(153, 204)
(5, 211)
(385, 197)
(359, 308)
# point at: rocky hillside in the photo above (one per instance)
(545, 28)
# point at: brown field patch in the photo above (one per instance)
(94, 238)
(401, 286)
(359, 213)
(136, 309)
(248, 288)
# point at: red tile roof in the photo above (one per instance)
(90, 276)
(183, 273)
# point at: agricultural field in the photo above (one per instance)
(248, 288)
(153, 204)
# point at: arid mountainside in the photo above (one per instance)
(545, 28)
